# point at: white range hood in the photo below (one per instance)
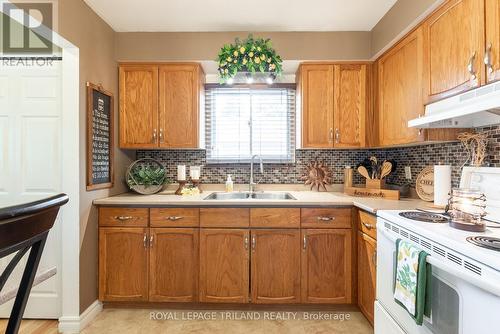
(475, 108)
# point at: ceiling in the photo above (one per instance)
(237, 15)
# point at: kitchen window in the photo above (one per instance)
(243, 121)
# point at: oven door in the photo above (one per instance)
(458, 307)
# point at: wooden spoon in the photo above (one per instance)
(364, 172)
(386, 169)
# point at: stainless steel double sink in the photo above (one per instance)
(248, 195)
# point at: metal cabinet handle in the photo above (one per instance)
(246, 242)
(470, 66)
(487, 59)
(374, 258)
(154, 136)
(161, 135)
(330, 135)
(151, 238)
(145, 240)
(174, 218)
(368, 226)
(123, 218)
(304, 246)
(337, 135)
(325, 219)
(254, 242)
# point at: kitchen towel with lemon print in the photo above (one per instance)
(412, 280)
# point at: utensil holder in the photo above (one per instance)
(375, 183)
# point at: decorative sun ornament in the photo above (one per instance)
(317, 175)
(250, 55)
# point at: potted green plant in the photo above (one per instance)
(146, 176)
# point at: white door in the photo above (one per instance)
(31, 165)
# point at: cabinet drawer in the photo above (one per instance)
(118, 217)
(224, 217)
(275, 217)
(175, 217)
(326, 218)
(368, 224)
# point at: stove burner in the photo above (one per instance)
(423, 217)
(485, 242)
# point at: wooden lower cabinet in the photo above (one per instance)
(286, 257)
(173, 264)
(275, 266)
(367, 268)
(224, 265)
(326, 266)
(123, 264)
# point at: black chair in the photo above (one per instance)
(24, 227)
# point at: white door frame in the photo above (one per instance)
(70, 229)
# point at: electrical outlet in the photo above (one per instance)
(408, 172)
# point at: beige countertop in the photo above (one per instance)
(303, 198)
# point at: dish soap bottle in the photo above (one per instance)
(229, 184)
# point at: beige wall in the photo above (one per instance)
(95, 39)
(397, 19)
(163, 46)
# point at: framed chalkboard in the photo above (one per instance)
(99, 137)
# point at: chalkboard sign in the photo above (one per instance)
(99, 138)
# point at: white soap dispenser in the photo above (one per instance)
(229, 184)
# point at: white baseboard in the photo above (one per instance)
(73, 325)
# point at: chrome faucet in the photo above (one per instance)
(251, 184)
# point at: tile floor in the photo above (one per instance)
(138, 321)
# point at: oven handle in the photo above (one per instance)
(453, 270)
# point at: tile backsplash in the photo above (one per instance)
(417, 157)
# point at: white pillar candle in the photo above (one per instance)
(194, 172)
(181, 172)
(442, 184)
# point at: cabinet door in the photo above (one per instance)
(454, 44)
(492, 59)
(326, 266)
(224, 265)
(349, 105)
(123, 264)
(173, 265)
(400, 90)
(316, 90)
(179, 91)
(275, 266)
(367, 248)
(138, 106)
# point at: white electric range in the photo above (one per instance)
(465, 297)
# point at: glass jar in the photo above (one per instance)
(467, 205)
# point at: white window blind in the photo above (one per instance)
(241, 122)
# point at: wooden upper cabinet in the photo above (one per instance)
(454, 47)
(173, 264)
(400, 90)
(138, 106)
(316, 94)
(179, 89)
(224, 265)
(367, 248)
(326, 266)
(349, 105)
(160, 105)
(275, 266)
(492, 55)
(123, 264)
